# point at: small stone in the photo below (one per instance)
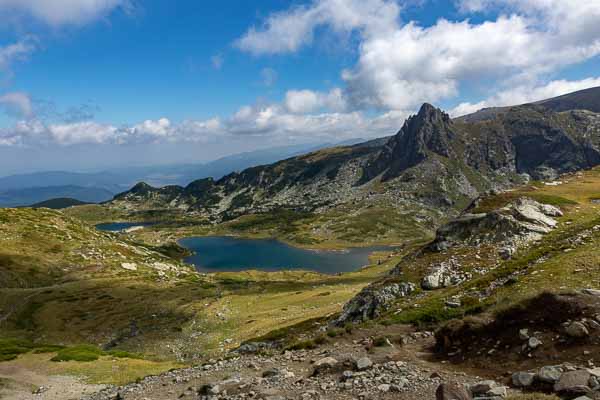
(524, 334)
(347, 375)
(534, 343)
(383, 387)
(522, 379)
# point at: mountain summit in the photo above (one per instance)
(427, 132)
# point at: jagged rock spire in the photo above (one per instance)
(429, 131)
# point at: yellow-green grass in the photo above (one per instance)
(105, 370)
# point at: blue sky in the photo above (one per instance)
(90, 83)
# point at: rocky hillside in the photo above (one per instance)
(502, 304)
(433, 163)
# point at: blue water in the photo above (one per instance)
(119, 226)
(222, 253)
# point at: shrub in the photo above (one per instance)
(11, 348)
(320, 339)
(334, 332)
(78, 353)
(303, 345)
(122, 354)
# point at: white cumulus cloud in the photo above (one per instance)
(65, 12)
(403, 64)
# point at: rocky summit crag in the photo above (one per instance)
(434, 163)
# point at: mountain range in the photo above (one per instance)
(434, 163)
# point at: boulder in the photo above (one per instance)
(521, 221)
(452, 391)
(363, 363)
(577, 330)
(592, 292)
(549, 374)
(573, 383)
(248, 348)
(372, 300)
(522, 379)
(210, 389)
(482, 387)
(129, 266)
(324, 364)
(498, 391)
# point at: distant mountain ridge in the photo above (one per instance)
(587, 99)
(25, 189)
(28, 196)
(433, 163)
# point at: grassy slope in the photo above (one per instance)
(554, 264)
(62, 282)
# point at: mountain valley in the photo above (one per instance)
(493, 274)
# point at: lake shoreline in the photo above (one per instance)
(229, 253)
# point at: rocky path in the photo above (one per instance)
(348, 368)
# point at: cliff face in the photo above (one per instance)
(433, 161)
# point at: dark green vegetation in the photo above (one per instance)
(59, 203)
(10, 348)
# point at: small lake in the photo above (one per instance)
(223, 253)
(119, 226)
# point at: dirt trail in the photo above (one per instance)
(18, 383)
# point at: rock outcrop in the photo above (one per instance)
(512, 226)
(371, 301)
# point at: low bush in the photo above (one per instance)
(78, 353)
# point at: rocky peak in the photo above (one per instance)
(427, 132)
(199, 186)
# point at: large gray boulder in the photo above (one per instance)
(549, 374)
(577, 330)
(373, 300)
(522, 379)
(452, 391)
(573, 383)
(445, 274)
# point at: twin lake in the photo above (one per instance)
(225, 253)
